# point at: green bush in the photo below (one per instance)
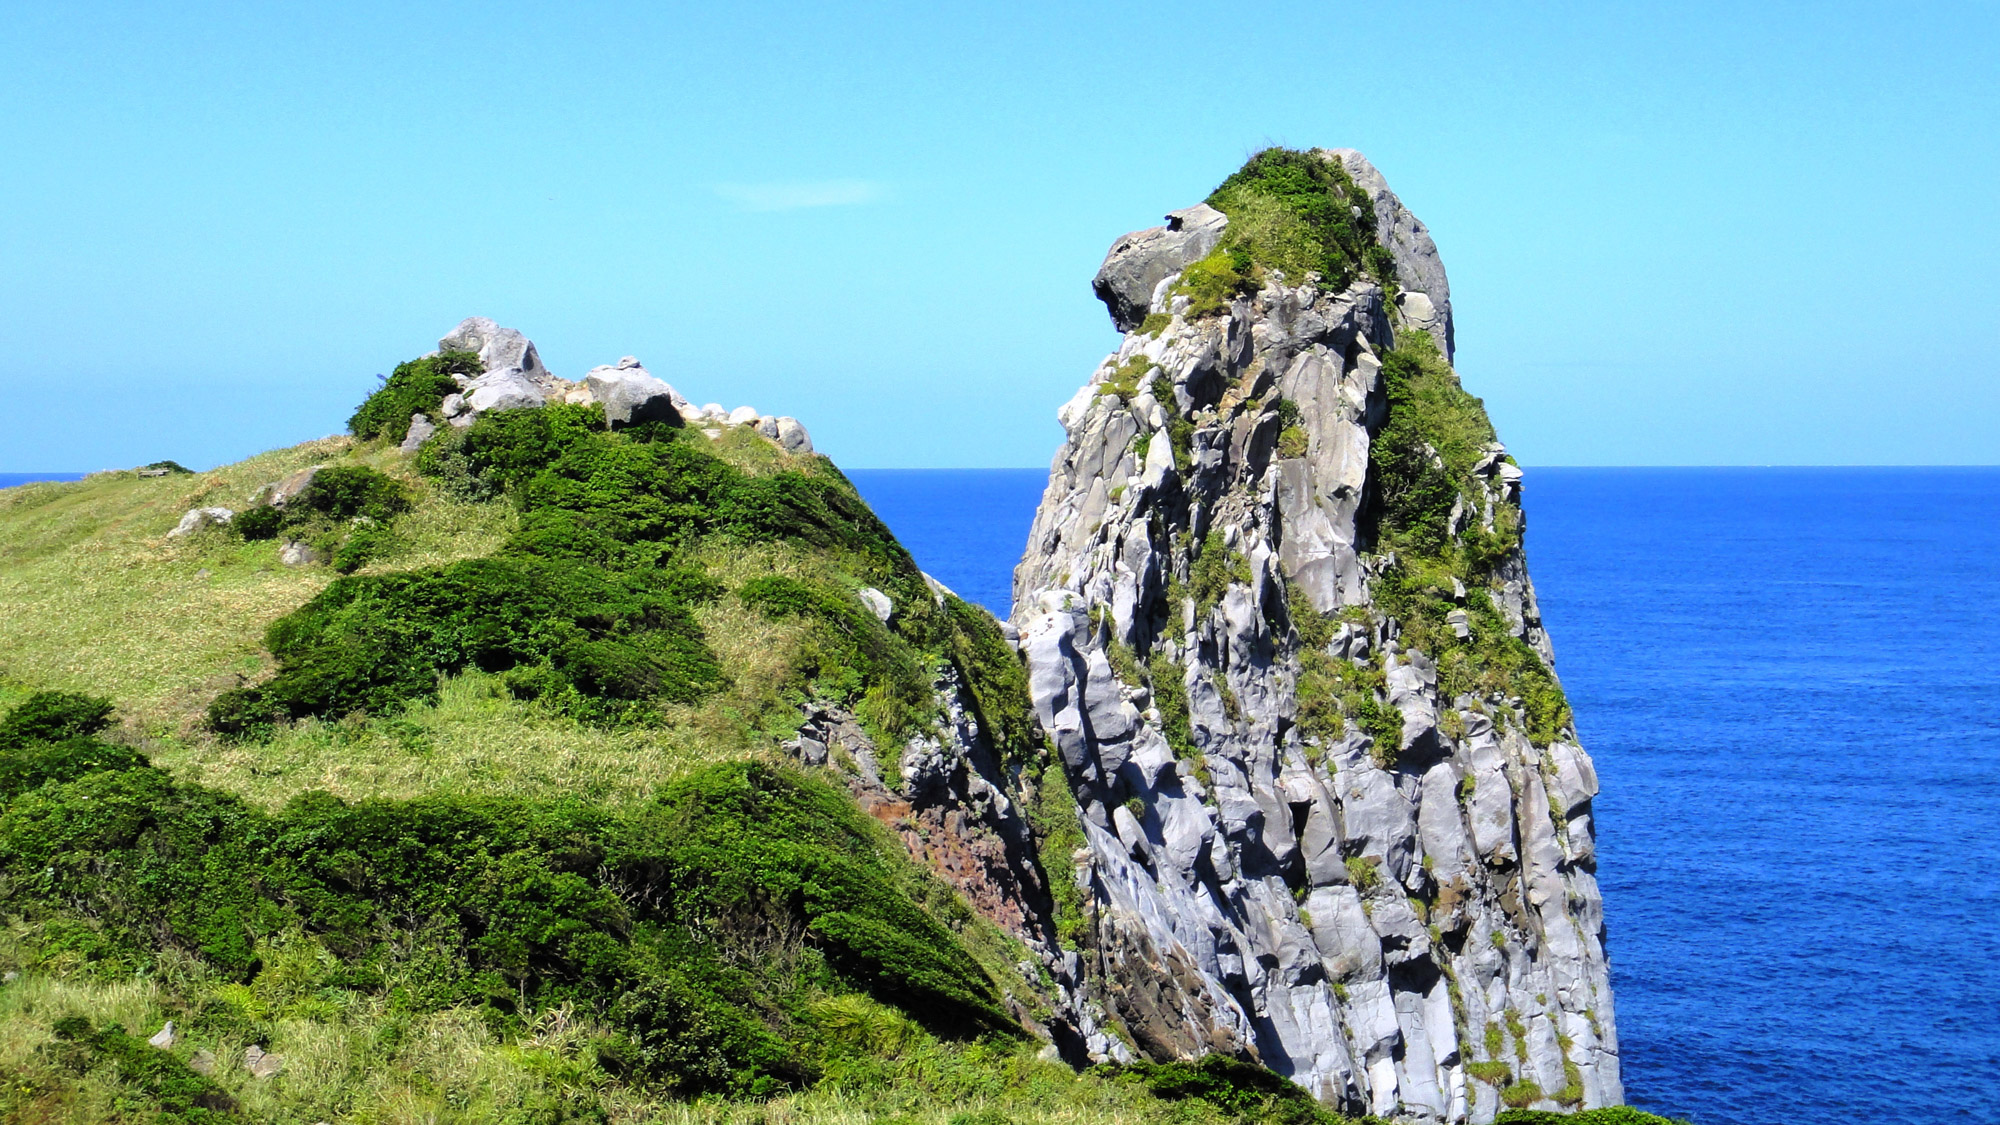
(30, 767)
(1420, 462)
(621, 640)
(172, 467)
(1241, 1089)
(1213, 571)
(50, 716)
(416, 387)
(260, 522)
(699, 927)
(1290, 211)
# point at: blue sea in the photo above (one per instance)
(9, 480)
(1790, 682)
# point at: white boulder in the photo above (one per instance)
(198, 518)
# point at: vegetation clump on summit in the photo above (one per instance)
(1291, 212)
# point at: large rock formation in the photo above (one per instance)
(1279, 627)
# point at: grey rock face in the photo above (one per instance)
(1354, 916)
(295, 552)
(793, 436)
(198, 518)
(420, 431)
(878, 603)
(630, 394)
(1426, 295)
(1141, 260)
(500, 349)
(514, 378)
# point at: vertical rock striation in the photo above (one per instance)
(1280, 630)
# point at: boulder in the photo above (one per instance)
(261, 1063)
(630, 394)
(198, 518)
(203, 1063)
(877, 602)
(1138, 262)
(793, 436)
(743, 416)
(165, 1038)
(503, 390)
(420, 431)
(297, 552)
(500, 349)
(278, 493)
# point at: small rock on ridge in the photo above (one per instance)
(793, 436)
(165, 1038)
(198, 518)
(1141, 260)
(630, 394)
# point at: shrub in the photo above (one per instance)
(344, 492)
(1215, 281)
(416, 387)
(261, 522)
(372, 643)
(51, 716)
(1365, 872)
(1240, 1089)
(1420, 462)
(696, 927)
(173, 467)
(1213, 571)
(1521, 1094)
(1124, 379)
(31, 767)
(1296, 212)
(1168, 682)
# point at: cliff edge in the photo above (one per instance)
(1279, 626)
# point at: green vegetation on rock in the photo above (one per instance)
(1292, 212)
(416, 387)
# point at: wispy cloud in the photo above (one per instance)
(800, 194)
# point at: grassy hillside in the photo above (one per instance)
(485, 817)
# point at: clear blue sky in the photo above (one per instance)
(1677, 234)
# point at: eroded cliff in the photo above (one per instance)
(1280, 629)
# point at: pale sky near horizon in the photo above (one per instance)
(1676, 233)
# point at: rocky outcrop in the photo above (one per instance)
(630, 394)
(1311, 842)
(1140, 261)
